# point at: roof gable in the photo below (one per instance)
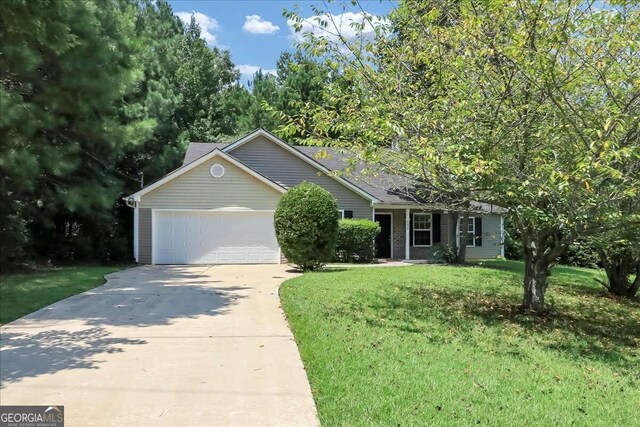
(202, 159)
(299, 154)
(195, 150)
(380, 188)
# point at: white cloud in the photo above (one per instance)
(347, 24)
(250, 70)
(254, 24)
(208, 25)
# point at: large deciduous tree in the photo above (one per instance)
(529, 105)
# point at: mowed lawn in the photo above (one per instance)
(21, 294)
(438, 345)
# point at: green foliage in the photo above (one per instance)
(65, 65)
(581, 253)
(512, 247)
(619, 254)
(202, 77)
(446, 253)
(441, 345)
(306, 223)
(94, 93)
(531, 106)
(264, 91)
(356, 240)
(299, 80)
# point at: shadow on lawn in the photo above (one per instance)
(605, 330)
(570, 279)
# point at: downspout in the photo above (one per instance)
(130, 201)
(135, 232)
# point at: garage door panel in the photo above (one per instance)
(200, 237)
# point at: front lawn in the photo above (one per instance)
(21, 294)
(436, 345)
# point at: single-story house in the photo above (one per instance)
(217, 208)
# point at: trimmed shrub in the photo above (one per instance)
(306, 222)
(446, 254)
(355, 240)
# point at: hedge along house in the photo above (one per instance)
(217, 208)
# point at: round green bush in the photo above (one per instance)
(306, 222)
(356, 240)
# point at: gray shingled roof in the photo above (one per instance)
(384, 187)
(199, 149)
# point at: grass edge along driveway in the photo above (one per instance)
(439, 345)
(21, 294)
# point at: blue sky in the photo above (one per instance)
(255, 32)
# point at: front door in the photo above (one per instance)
(383, 241)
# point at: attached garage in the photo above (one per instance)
(204, 237)
(213, 211)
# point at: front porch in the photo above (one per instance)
(416, 234)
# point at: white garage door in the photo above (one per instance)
(200, 237)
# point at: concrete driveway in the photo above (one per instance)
(163, 345)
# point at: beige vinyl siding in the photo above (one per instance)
(197, 189)
(144, 236)
(491, 243)
(288, 170)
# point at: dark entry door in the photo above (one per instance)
(383, 241)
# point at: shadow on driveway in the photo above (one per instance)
(48, 352)
(70, 334)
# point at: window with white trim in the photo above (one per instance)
(344, 214)
(421, 229)
(471, 230)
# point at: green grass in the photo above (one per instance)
(21, 294)
(436, 345)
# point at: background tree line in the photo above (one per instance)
(96, 94)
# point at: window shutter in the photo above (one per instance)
(478, 231)
(348, 214)
(410, 229)
(435, 238)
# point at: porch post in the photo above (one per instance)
(407, 221)
(502, 235)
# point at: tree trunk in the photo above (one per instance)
(619, 270)
(618, 280)
(536, 273)
(635, 286)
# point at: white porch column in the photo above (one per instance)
(502, 236)
(407, 222)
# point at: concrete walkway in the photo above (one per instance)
(163, 346)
